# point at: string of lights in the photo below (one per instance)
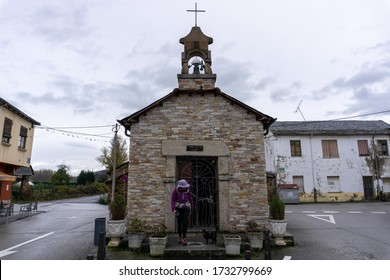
(64, 130)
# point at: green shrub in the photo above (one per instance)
(276, 208)
(118, 207)
(159, 230)
(137, 226)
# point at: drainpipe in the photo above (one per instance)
(312, 168)
(376, 168)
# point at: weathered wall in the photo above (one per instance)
(349, 167)
(196, 117)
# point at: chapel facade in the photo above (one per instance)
(203, 135)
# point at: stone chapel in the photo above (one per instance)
(203, 135)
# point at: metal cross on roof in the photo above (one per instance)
(196, 11)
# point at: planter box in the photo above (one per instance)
(135, 239)
(255, 239)
(157, 245)
(232, 244)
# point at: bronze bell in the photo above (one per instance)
(196, 68)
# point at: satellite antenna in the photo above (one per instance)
(298, 109)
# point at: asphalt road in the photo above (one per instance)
(338, 231)
(64, 231)
(334, 231)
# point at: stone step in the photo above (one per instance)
(194, 251)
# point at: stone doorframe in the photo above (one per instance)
(175, 148)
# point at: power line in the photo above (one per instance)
(77, 127)
(94, 137)
(293, 123)
(363, 115)
(80, 135)
(77, 133)
(63, 129)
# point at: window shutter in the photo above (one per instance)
(7, 127)
(330, 149)
(363, 147)
(23, 131)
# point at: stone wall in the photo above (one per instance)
(226, 130)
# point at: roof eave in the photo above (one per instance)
(12, 108)
(266, 120)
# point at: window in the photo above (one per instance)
(329, 149)
(295, 146)
(363, 147)
(22, 137)
(382, 148)
(298, 180)
(7, 131)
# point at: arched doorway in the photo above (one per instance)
(200, 173)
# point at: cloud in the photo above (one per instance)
(366, 91)
(382, 47)
(286, 94)
(57, 22)
(239, 80)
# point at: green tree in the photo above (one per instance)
(107, 157)
(61, 176)
(85, 177)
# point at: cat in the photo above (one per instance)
(267, 247)
(210, 235)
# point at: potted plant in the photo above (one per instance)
(136, 230)
(254, 234)
(116, 224)
(232, 244)
(278, 224)
(158, 240)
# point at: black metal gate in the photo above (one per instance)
(200, 173)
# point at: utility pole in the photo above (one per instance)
(115, 129)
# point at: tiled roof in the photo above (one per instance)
(330, 128)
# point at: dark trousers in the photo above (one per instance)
(182, 221)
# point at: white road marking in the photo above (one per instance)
(287, 258)
(9, 250)
(326, 218)
(378, 212)
(308, 212)
(331, 212)
(355, 212)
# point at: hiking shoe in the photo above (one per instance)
(180, 240)
(184, 242)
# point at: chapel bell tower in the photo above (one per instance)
(196, 73)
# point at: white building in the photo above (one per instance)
(331, 160)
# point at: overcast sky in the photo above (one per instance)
(72, 63)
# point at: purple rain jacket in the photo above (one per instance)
(181, 199)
